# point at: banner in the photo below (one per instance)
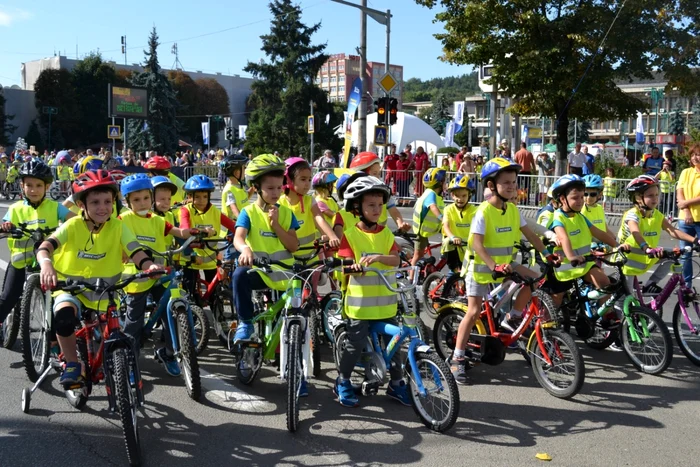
(639, 130)
(353, 103)
(241, 131)
(205, 132)
(449, 138)
(458, 116)
(532, 135)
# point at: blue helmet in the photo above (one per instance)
(199, 183)
(163, 181)
(495, 166)
(135, 182)
(341, 181)
(593, 181)
(566, 183)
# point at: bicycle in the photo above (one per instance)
(638, 326)
(429, 377)
(10, 190)
(434, 283)
(106, 354)
(555, 359)
(283, 323)
(685, 330)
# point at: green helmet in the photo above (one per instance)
(263, 165)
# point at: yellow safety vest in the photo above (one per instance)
(264, 243)
(430, 224)
(596, 216)
(330, 202)
(666, 182)
(367, 297)
(384, 216)
(500, 236)
(349, 219)
(12, 174)
(580, 237)
(650, 228)
(90, 256)
(307, 232)
(179, 195)
(239, 194)
(46, 215)
(609, 188)
(460, 222)
(201, 220)
(545, 218)
(477, 170)
(149, 231)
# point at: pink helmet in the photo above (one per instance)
(290, 163)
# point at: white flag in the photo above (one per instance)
(459, 116)
(449, 133)
(205, 132)
(639, 130)
(241, 131)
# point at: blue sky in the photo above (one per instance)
(33, 30)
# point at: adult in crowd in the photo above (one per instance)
(545, 168)
(389, 165)
(688, 196)
(401, 177)
(461, 156)
(526, 160)
(109, 162)
(670, 157)
(467, 166)
(506, 154)
(654, 163)
(129, 159)
(421, 163)
(588, 167)
(576, 161)
(327, 161)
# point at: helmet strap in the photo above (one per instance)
(568, 207)
(357, 210)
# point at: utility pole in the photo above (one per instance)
(208, 134)
(311, 152)
(493, 122)
(362, 110)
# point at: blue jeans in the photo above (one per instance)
(243, 286)
(694, 231)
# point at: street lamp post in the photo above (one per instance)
(656, 94)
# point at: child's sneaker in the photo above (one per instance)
(304, 389)
(459, 370)
(169, 362)
(345, 393)
(72, 374)
(243, 332)
(400, 393)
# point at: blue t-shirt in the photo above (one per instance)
(427, 202)
(62, 212)
(556, 223)
(589, 160)
(654, 164)
(243, 220)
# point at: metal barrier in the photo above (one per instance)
(211, 171)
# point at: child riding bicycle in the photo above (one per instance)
(457, 220)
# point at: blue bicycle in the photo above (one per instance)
(431, 384)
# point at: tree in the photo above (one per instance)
(161, 130)
(187, 95)
(440, 114)
(212, 100)
(284, 87)
(695, 119)
(6, 128)
(583, 131)
(456, 88)
(54, 88)
(91, 77)
(424, 113)
(677, 124)
(540, 51)
(34, 137)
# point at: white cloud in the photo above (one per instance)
(9, 15)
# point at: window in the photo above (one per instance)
(341, 88)
(341, 79)
(324, 80)
(341, 67)
(332, 67)
(332, 89)
(333, 79)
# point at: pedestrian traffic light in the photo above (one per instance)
(235, 133)
(381, 111)
(393, 111)
(229, 133)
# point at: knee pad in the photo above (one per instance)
(64, 321)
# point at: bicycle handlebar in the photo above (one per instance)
(20, 231)
(517, 277)
(601, 257)
(328, 263)
(407, 235)
(383, 272)
(74, 287)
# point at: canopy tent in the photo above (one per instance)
(408, 130)
(184, 144)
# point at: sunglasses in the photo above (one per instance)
(591, 194)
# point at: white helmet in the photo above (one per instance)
(364, 185)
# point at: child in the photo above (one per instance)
(153, 231)
(641, 230)
(402, 179)
(64, 171)
(322, 184)
(609, 188)
(304, 207)
(496, 227)
(234, 196)
(667, 182)
(37, 212)
(457, 220)
(366, 297)
(592, 210)
(427, 212)
(345, 219)
(159, 165)
(369, 163)
(87, 248)
(544, 215)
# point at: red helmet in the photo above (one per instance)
(157, 163)
(364, 161)
(118, 175)
(641, 184)
(93, 179)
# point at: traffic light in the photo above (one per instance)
(235, 133)
(123, 44)
(393, 111)
(229, 133)
(381, 111)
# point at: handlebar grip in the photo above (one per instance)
(260, 262)
(497, 275)
(347, 270)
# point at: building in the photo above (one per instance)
(338, 73)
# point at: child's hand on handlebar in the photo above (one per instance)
(333, 242)
(625, 247)
(367, 260)
(578, 260)
(404, 226)
(47, 276)
(553, 259)
(7, 226)
(654, 252)
(357, 267)
(246, 258)
(503, 269)
(456, 241)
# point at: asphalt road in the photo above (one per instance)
(621, 417)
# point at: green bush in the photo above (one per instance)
(446, 150)
(627, 172)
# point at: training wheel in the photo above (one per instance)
(26, 399)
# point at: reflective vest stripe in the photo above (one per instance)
(307, 239)
(500, 251)
(650, 228)
(580, 244)
(92, 295)
(362, 302)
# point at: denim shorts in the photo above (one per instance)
(68, 298)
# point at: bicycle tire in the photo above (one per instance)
(55, 192)
(11, 324)
(449, 384)
(77, 398)
(331, 306)
(294, 376)
(540, 365)
(35, 355)
(679, 323)
(201, 328)
(646, 316)
(428, 286)
(602, 344)
(188, 355)
(454, 287)
(126, 407)
(445, 331)
(315, 342)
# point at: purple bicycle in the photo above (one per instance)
(686, 324)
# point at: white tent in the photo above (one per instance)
(408, 130)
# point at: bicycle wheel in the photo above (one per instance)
(55, 192)
(454, 288)
(11, 324)
(445, 330)
(79, 397)
(564, 377)
(687, 333)
(201, 328)
(602, 338)
(35, 335)
(332, 307)
(126, 407)
(432, 286)
(14, 190)
(188, 355)
(315, 342)
(295, 374)
(438, 409)
(654, 352)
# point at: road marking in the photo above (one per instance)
(227, 395)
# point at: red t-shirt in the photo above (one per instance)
(401, 168)
(390, 161)
(185, 219)
(345, 250)
(422, 162)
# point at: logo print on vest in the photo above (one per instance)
(503, 229)
(650, 234)
(266, 233)
(143, 238)
(83, 255)
(575, 232)
(36, 221)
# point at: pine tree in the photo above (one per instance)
(676, 125)
(160, 132)
(583, 131)
(695, 119)
(284, 86)
(440, 115)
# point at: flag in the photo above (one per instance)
(353, 103)
(450, 133)
(639, 130)
(458, 116)
(205, 132)
(241, 131)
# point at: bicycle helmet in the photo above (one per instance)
(157, 163)
(345, 181)
(262, 165)
(593, 181)
(359, 187)
(90, 163)
(495, 166)
(566, 183)
(231, 163)
(62, 156)
(118, 175)
(292, 165)
(36, 168)
(135, 182)
(92, 180)
(323, 178)
(434, 177)
(163, 181)
(199, 183)
(462, 181)
(641, 184)
(550, 193)
(364, 161)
